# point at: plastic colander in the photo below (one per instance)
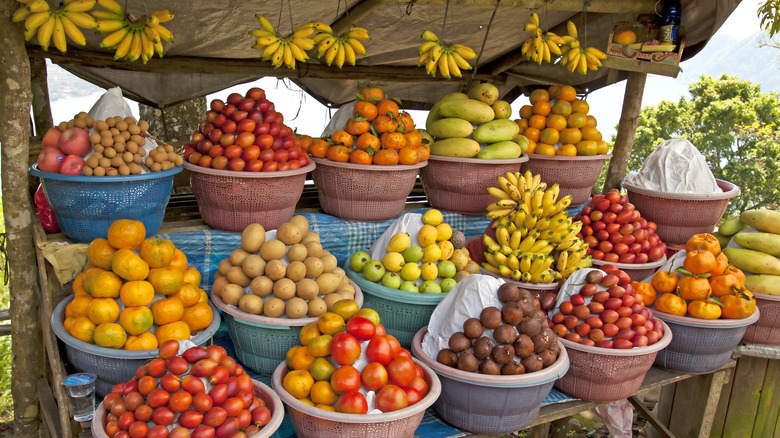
(574, 175)
(86, 206)
(608, 374)
(458, 184)
(488, 404)
(767, 329)
(112, 366)
(360, 192)
(230, 200)
(311, 422)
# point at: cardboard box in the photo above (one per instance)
(644, 49)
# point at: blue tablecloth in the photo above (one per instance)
(205, 248)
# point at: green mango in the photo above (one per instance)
(501, 150)
(472, 110)
(732, 226)
(752, 261)
(450, 127)
(455, 147)
(724, 240)
(434, 115)
(764, 242)
(763, 284)
(764, 220)
(496, 130)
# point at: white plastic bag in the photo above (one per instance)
(675, 166)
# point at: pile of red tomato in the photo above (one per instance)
(245, 134)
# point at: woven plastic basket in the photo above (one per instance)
(359, 192)
(767, 329)
(262, 342)
(574, 175)
(111, 366)
(86, 206)
(701, 346)
(230, 200)
(458, 184)
(637, 271)
(607, 374)
(401, 313)
(487, 404)
(263, 391)
(311, 422)
(681, 215)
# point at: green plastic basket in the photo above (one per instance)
(401, 313)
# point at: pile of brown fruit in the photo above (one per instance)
(522, 341)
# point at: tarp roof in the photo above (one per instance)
(213, 49)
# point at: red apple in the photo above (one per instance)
(74, 141)
(50, 160)
(51, 138)
(72, 164)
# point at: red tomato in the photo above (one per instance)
(361, 328)
(283, 165)
(352, 403)
(160, 431)
(412, 395)
(418, 383)
(395, 346)
(270, 166)
(373, 376)
(216, 151)
(111, 398)
(345, 379)
(266, 155)
(281, 155)
(379, 349)
(401, 371)
(236, 164)
(274, 131)
(344, 348)
(250, 152)
(133, 400)
(294, 164)
(138, 429)
(232, 151)
(391, 398)
(303, 160)
(163, 416)
(270, 117)
(112, 428)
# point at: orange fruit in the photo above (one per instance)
(387, 107)
(538, 122)
(129, 265)
(204, 297)
(320, 346)
(82, 329)
(110, 335)
(126, 233)
(567, 150)
(556, 121)
(79, 306)
(101, 310)
(587, 147)
(191, 276)
(625, 37)
(322, 393)
(408, 155)
(346, 308)
(179, 260)
(322, 369)
(136, 293)
(357, 127)
(723, 284)
(329, 323)
(298, 383)
(366, 110)
(309, 332)
(665, 281)
(693, 288)
(198, 316)
(531, 146)
(167, 310)
(590, 121)
(704, 309)
(100, 253)
(590, 133)
(545, 149)
(553, 90)
(178, 331)
(371, 93)
(644, 292)
(80, 292)
(603, 147)
(144, 341)
(156, 252)
(549, 136)
(413, 138)
(721, 263)
(188, 294)
(539, 94)
(165, 280)
(532, 134)
(526, 111)
(567, 93)
(289, 354)
(703, 241)
(522, 123)
(739, 305)
(542, 108)
(561, 107)
(136, 320)
(580, 106)
(735, 271)
(576, 120)
(672, 304)
(571, 135)
(101, 283)
(68, 322)
(342, 137)
(301, 359)
(78, 280)
(699, 261)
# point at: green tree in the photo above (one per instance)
(733, 124)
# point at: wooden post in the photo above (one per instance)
(15, 101)
(624, 141)
(42, 118)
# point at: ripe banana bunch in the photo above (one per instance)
(576, 58)
(449, 59)
(536, 240)
(132, 38)
(285, 50)
(541, 46)
(55, 25)
(343, 48)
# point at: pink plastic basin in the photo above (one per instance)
(767, 329)
(574, 175)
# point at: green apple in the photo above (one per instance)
(358, 261)
(391, 280)
(430, 287)
(447, 269)
(447, 284)
(413, 254)
(409, 286)
(374, 270)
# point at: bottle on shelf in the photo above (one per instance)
(669, 22)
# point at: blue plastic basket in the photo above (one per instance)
(86, 206)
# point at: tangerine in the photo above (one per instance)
(571, 135)
(136, 320)
(167, 310)
(330, 323)
(357, 127)
(545, 149)
(672, 304)
(126, 234)
(177, 330)
(553, 90)
(665, 281)
(198, 316)
(603, 147)
(566, 150)
(82, 329)
(101, 310)
(99, 253)
(699, 261)
(129, 265)
(539, 94)
(556, 121)
(587, 147)
(549, 136)
(388, 108)
(408, 155)
(338, 153)
(322, 369)
(542, 108)
(318, 148)
(526, 111)
(413, 138)
(704, 309)
(136, 293)
(79, 306)
(301, 359)
(359, 156)
(532, 134)
(110, 335)
(723, 284)
(165, 281)
(366, 110)
(101, 283)
(191, 276)
(156, 252)
(739, 305)
(386, 157)
(144, 341)
(320, 346)
(694, 288)
(590, 133)
(703, 241)
(562, 107)
(322, 393)
(393, 140)
(298, 383)
(407, 124)
(537, 121)
(343, 138)
(580, 106)
(567, 93)
(188, 294)
(179, 260)
(721, 264)
(383, 124)
(576, 120)
(368, 140)
(371, 93)
(590, 121)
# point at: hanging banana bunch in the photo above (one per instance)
(449, 59)
(55, 25)
(574, 57)
(132, 38)
(344, 48)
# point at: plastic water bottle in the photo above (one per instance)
(670, 22)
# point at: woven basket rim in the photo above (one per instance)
(382, 168)
(241, 174)
(393, 294)
(402, 414)
(56, 325)
(567, 158)
(707, 323)
(730, 190)
(546, 375)
(632, 266)
(766, 296)
(484, 161)
(635, 351)
(34, 171)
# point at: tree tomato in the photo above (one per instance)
(283, 165)
(344, 348)
(180, 401)
(163, 416)
(270, 166)
(203, 431)
(170, 383)
(214, 417)
(400, 371)
(373, 376)
(261, 416)
(391, 398)
(352, 402)
(158, 398)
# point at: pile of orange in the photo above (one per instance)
(707, 286)
(378, 133)
(557, 123)
(135, 293)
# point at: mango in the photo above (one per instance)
(484, 92)
(501, 150)
(522, 141)
(496, 130)
(764, 242)
(763, 284)
(472, 110)
(724, 240)
(455, 147)
(763, 220)
(732, 226)
(434, 114)
(450, 127)
(753, 261)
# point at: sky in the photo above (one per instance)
(305, 113)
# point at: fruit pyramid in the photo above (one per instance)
(535, 239)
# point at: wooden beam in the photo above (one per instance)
(606, 6)
(181, 64)
(629, 119)
(15, 102)
(355, 14)
(49, 408)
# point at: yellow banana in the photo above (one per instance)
(498, 213)
(340, 54)
(357, 46)
(526, 244)
(84, 20)
(490, 244)
(555, 38)
(124, 46)
(112, 6)
(535, 19)
(115, 37)
(582, 67)
(163, 15)
(502, 236)
(598, 53)
(498, 193)
(319, 37)
(304, 43)
(572, 29)
(513, 262)
(322, 27)
(525, 277)
(330, 55)
(289, 61)
(460, 61)
(530, 27)
(36, 19)
(58, 35)
(436, 52)
(72, 31)
(147, 47)
(264, 23)
(530, 221)
(297, 52)
(278, 56)
(517, 275)
(541, 224)
(428, 45)
(501, 256)
(504, 271)
(44, 32)
(20, 14)
(325, 45)
(151, 35)
(430, 65)
(269, 50)
(259, 33)
(164, 33)
(464, 51)
(525, 49)
(358, 33)
(491, 259)
(303, 31)
(563, 258)
(536, 199)
(490, 267)
(422, 59)
(515, 238)
(453, 66)
(79, 5)
(349, 52)
(135, 47)
(430, 36)
(266, 40)
(519, 218)
(538, 246)
(38, 6)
